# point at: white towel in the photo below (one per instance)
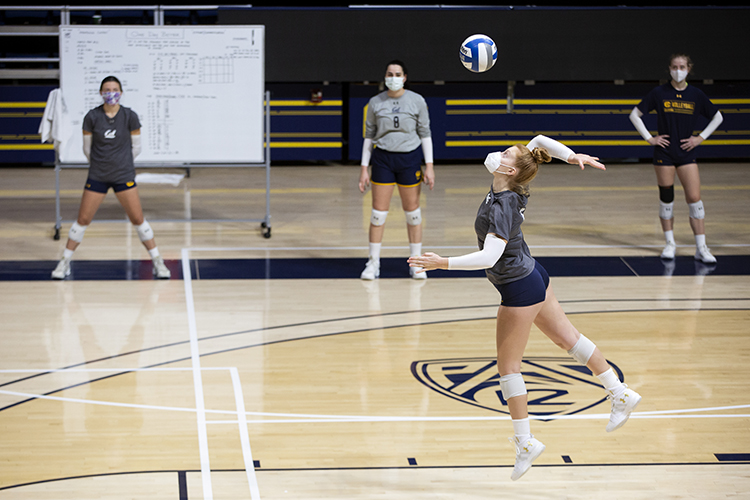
(52, 119)
(145, 178)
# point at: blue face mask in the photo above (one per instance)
(111, 98)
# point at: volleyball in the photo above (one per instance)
(478, 53)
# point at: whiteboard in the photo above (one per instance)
(198, 91)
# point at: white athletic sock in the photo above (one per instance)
(700, 240)
(415, 249)
(521, 428)
(669, 236)
(610, 382)
(154, 253)
(375, 251)
(68, 254)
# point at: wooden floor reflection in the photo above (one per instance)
(344, 389)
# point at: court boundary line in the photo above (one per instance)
(678, 413)
(247, 456)
(197, 380)
(401, 247)
(385, 467)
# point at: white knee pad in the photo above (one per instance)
(512, 385)
(696, 210)
(414, 218)
(583, 350)
(378, 217)
(145, 232)
(665, 210)
(76, 232)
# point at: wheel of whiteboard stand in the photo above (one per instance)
(56, 237)
(267, 230)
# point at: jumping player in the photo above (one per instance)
(396, 125)
(111, 141)
(678, 107)
(524, 287)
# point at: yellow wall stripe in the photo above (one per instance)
(29, 104)
(305, 103)
(25, 147)
(306, 144)
(476, 102)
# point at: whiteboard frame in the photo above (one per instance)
(265, 163)
(135, 53)
(265, 221)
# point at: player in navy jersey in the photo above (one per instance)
(397, 135)
(678, 107)
(111, 141)
(527, 297)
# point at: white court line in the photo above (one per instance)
(591, 247)
(108, 370)
(247, 454)
(200, 403)
(302, 418)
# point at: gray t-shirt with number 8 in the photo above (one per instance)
(397, 125)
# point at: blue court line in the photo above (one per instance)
(350, 268)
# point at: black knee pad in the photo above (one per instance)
(666, 194)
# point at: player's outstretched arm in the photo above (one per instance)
(583, 160)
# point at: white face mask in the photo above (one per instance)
(494, 161)
(678, 75)
(394, 83)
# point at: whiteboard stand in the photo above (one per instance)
(265, 222)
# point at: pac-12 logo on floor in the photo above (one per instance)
(555, 385)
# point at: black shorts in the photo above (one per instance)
(663, 158)
(103, 187)
(527, 291)
(404, 169)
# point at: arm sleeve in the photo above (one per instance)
(135, 122)
(87, 122)
(483, 259)
(556, 149)
(427, 149)
(371, 127)
(87, 138)
(423, 120)
(635, 118)
(712, 125)
(136, 141)
(366, 152)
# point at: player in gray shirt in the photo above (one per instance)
(111, 141)
(524, 287)
(397, 123)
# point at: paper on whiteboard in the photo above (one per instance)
(198, 91)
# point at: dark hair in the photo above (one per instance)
(110, 79)
(396, 61)
(687, 59)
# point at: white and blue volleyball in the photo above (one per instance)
(478, 53)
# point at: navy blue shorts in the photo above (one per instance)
(527, 291)
(404, 169)
(103, 187)
(663, 158)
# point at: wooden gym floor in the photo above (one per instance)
(265, 369)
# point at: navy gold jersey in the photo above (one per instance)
(678, 112)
